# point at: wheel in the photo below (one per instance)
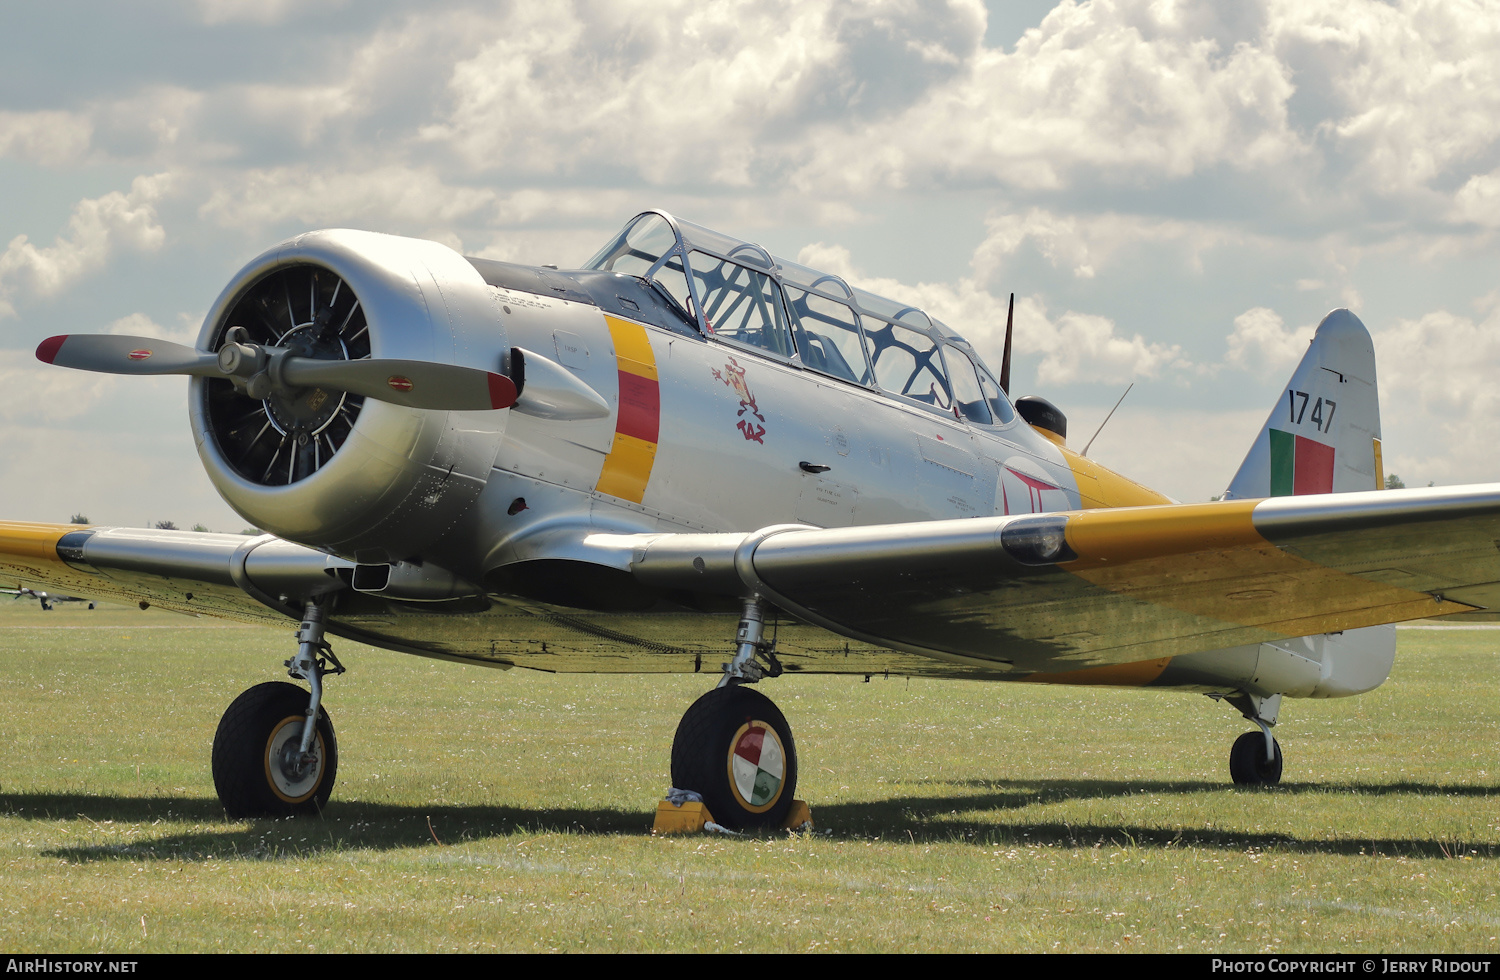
(1247, 761)
(734, 747)
(257, 772)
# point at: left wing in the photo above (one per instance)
(1066, 591)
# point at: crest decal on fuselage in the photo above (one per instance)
(734, 377)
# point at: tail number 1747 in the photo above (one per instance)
(1322, 410)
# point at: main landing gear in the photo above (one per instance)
(275, 753)
(733, 746)
(1255, 759)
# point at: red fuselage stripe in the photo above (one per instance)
(640, 407)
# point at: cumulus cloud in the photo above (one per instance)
(46, 395)
(406, 196)
(1478, 200)
(49, 138)
(1262, 344)
(1440, 407)
(99, 227)
(1086, 347)
(1116, 88)
(1083, 242)
(1074, 346)
(141, 325)
(1405, 91)
(693, 94)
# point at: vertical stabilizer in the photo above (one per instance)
(1323, 435)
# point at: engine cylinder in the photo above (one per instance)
(364, 479)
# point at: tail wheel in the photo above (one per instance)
(258, 766)
(1248, 765)
(734, 747)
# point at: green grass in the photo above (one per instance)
(480, 810)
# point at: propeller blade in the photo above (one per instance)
(415, 384)
(116, 354)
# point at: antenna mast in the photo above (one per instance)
(1105, 422)
(1010, 319)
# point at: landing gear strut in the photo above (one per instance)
(275, 753)
(733, 746)
(1255, 758)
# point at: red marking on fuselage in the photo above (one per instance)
(640, 407)
(1034, 489)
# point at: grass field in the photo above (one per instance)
(481, 810)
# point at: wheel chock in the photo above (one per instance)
(692, 817)
(799, 817)
(688, 818)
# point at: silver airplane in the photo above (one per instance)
(692, 456)
(47, 600)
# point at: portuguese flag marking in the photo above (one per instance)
(1299, 465)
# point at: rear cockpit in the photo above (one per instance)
(737, 292)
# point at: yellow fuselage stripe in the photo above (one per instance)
(627, 468)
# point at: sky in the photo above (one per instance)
(1175, 192)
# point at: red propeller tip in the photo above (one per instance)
(47, 350)
(502, 391)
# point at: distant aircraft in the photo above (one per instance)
(47, 600)
(691, 456)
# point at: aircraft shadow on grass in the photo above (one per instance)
(933, 818)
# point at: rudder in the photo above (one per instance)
(1323, 435)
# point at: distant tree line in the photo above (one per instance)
(168, 525)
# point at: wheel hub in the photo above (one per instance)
(757, 766)
(293, 774)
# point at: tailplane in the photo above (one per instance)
(1323, 435)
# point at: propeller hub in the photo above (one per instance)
(302, 413)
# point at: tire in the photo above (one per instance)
(1247, 761)
(262, 726)
(751, 787)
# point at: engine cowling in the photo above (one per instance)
(364, 479)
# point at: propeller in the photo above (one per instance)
(261, 370)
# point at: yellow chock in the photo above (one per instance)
(799, 817)
(692, 817)
(686, 819)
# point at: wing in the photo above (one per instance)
(184, 571)
(1043, 593)
(1073, 590)
(260, 580)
